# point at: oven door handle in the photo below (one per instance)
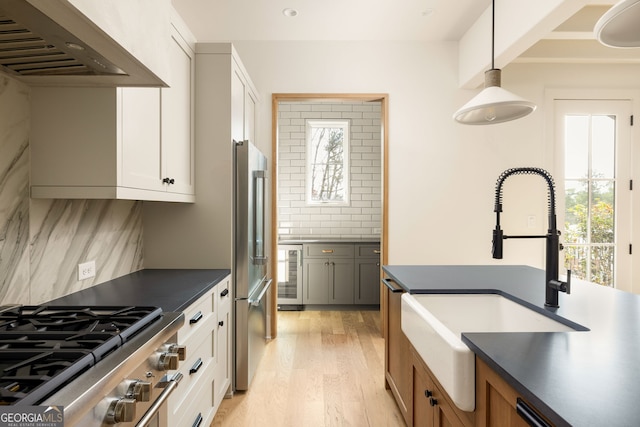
(169, 386)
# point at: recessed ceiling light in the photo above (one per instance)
(426, 12)
(289, 12)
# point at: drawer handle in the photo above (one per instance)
(392, 288)
(196, 366)
(196, 318)
(327, 251)
(198, 421)
(376, 251)
(225, 292)
(530, 416)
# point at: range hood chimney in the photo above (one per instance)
(52, 42)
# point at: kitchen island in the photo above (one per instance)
(582, 378)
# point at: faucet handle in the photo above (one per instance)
(562, 286)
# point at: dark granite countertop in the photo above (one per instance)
(589, 378)
(171, 290)
(307, 240)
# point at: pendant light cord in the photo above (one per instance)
(493, 32)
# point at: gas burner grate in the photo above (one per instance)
(44, 347)
(28, 376)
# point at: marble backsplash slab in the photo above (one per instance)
(14, 191)
(42, 241)
(65, 233)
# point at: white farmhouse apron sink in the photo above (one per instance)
(434, 324)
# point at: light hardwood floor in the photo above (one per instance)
(325, 368)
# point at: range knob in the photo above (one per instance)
(177, 348)
(121, 410)
(139, 390)
(168, 361)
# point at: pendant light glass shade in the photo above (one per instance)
(620, 25)
(493, 105)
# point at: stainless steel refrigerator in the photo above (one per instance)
(250, 263)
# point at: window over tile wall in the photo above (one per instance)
(327, 162)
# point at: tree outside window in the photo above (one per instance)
(327, 162)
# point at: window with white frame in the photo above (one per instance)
(327, 162)
(594, 138)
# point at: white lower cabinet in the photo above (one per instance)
(223, 345)
(206, 369)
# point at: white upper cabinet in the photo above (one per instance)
(122, 143)
(177, 105)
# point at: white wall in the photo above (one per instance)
(441, 174)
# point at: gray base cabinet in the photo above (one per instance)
(341, 273)
(367, 274)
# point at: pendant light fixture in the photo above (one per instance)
(494, 104)
(620, 25)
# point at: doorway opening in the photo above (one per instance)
(378, 222)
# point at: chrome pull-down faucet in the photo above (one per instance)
(552, 284)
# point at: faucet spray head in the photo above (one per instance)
(496, 248)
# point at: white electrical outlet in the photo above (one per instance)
(531, 221)
(86, 270)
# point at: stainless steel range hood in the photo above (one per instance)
(38, 50)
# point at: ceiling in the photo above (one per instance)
(406, 20)
(426, 20)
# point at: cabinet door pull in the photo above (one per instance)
(168, 181)
(221, 323)
(327, 251)
(428, 393)
(225, 292)
(376, 251)
(196, 366)
(198, 421)
(196, 318)
(433, 401)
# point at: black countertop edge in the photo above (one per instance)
(173, 290)
(322, 240)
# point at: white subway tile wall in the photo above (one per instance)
(362, 218)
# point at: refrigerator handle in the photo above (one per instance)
(256, 302)
(259, 207)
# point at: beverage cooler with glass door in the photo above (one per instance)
(290, 277)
